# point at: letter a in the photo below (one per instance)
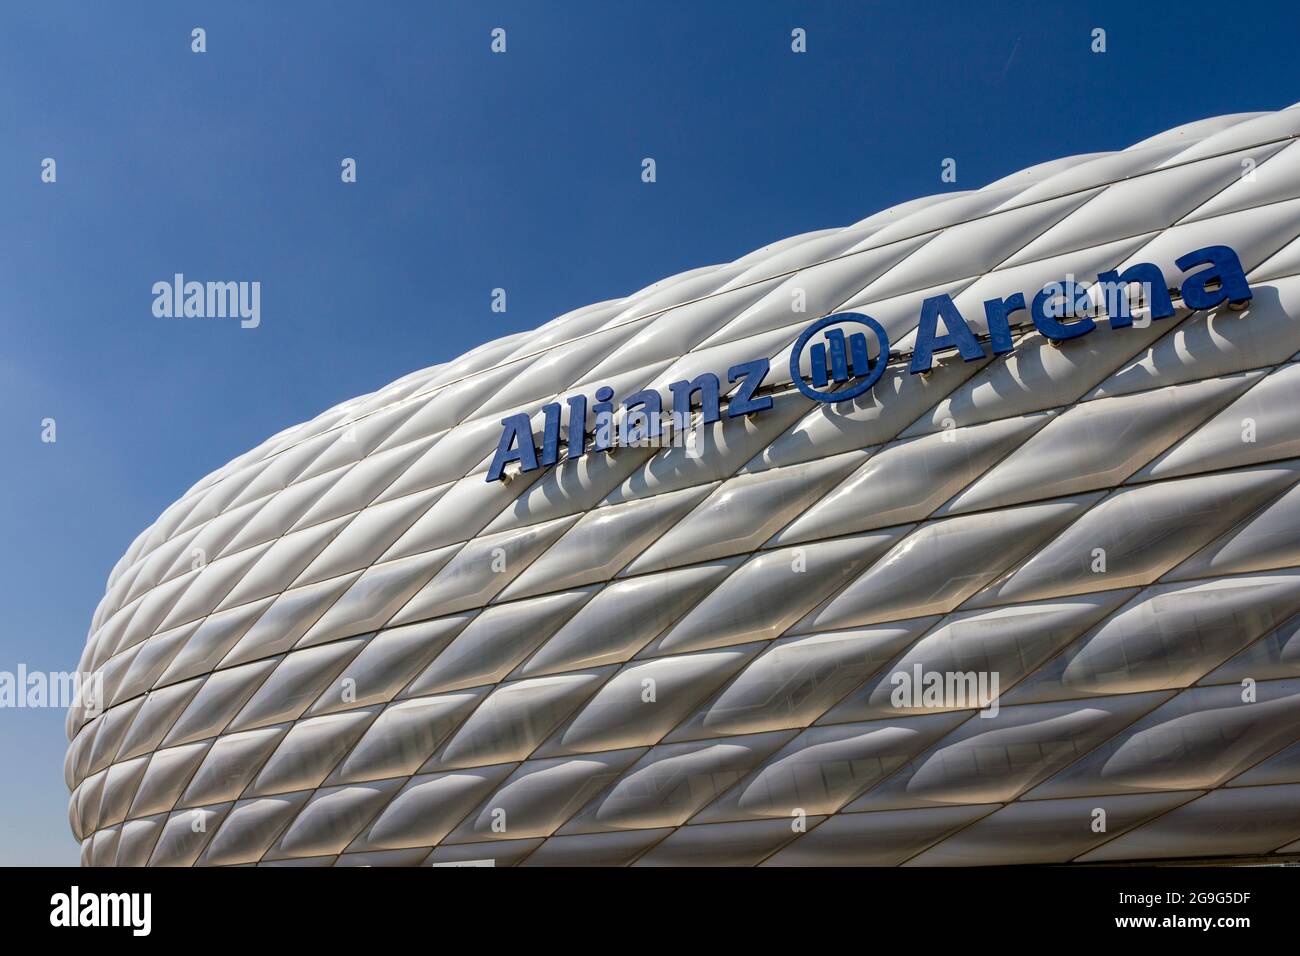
(518, 431)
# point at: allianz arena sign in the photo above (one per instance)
(841, 367)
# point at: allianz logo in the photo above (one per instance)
(840, 351)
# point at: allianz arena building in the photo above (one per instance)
(965, 534)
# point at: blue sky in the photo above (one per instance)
(475, 171)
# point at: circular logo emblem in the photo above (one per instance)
(839, 359)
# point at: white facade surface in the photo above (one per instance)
(348, 647)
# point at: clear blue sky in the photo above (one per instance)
(474, 171)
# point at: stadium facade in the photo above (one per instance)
(965, 534)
